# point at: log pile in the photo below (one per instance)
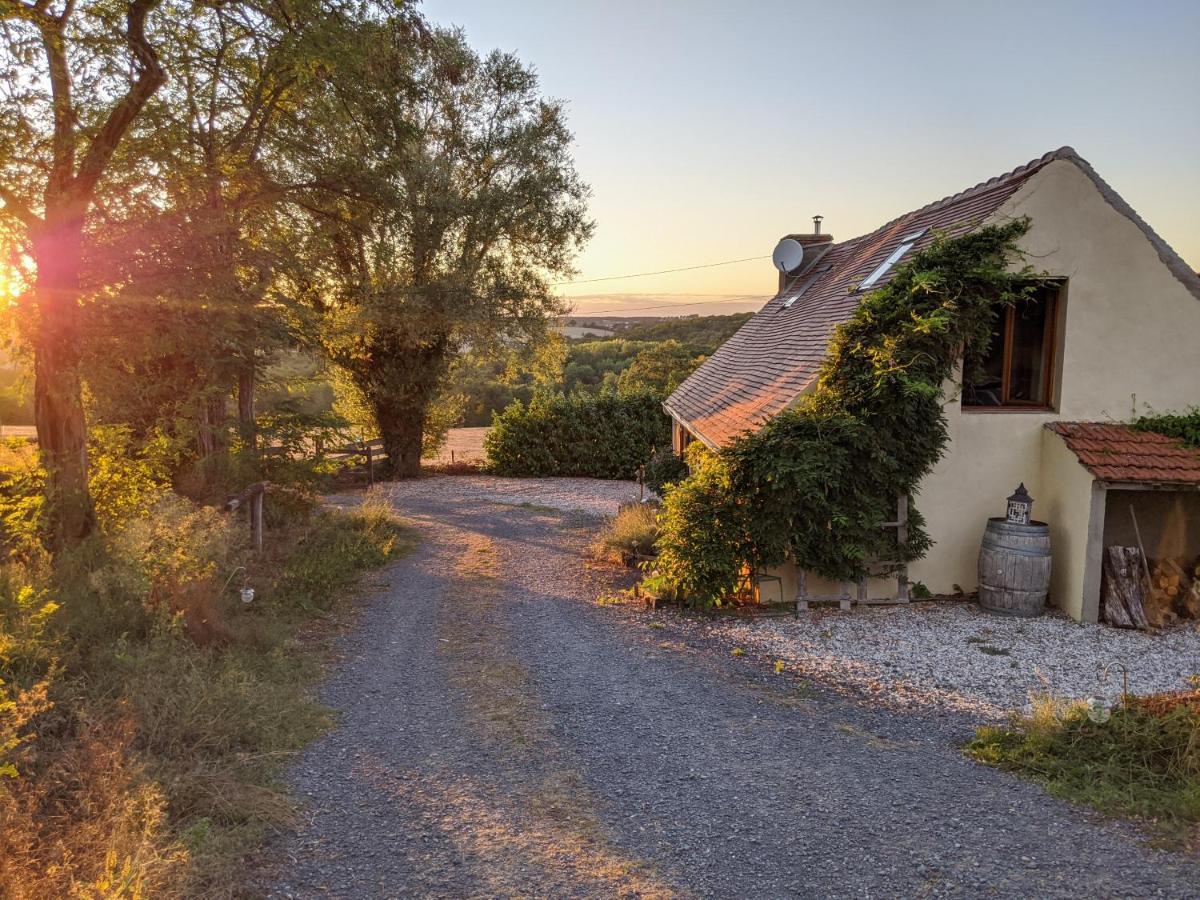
(1137, 593)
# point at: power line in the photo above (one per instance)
(728, 262)
(618, 309)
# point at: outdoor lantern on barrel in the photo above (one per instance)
(1014, 561)
(1020, 506)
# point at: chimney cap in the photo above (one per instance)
(817, 224)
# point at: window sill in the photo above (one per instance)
(990, 410)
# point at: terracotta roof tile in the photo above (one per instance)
(767, 364)
(1118, 453)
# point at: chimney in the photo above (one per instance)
(815, 246)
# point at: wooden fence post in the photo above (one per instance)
(256, 520)
(252, 498)
(370, 462)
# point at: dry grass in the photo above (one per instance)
(147, 712)
(629, 536)
(1144, 762)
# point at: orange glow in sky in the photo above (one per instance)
(709, 129)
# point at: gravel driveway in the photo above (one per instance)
(502, 735)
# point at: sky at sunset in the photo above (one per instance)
(708, 130)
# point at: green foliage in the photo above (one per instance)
(658, 369)
(704, 333)
(455, 205)
(629, 535)
(145, 711)
(1184, 425)
(1142, 762)
(600, 436)
(664, 468)
(821, 476)
(336, 550)
(704, 530)
(126, 478)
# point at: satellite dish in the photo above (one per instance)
(788, 255)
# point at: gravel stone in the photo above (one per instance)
(503, 735)
(957, 656)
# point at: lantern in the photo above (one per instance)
(1020, 507)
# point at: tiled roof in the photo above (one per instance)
(767, 364)
(1118, 453)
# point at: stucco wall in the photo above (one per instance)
(1128, 344)
(1066, 502)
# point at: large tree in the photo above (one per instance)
(75, 78)
(196, 249)
(457, 205)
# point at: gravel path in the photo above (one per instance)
(956, 656)
(502, 735)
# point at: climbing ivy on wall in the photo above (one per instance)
(814, 484)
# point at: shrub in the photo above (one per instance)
(664, 467)
(704, 532)
(600, 436)
(1143, 762)
(629, 535)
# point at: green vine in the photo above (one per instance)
(814, 484)
(1184, 426)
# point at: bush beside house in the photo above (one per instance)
(600, 436)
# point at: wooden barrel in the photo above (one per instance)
(1014, 567)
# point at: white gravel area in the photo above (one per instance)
(592, 496)
(955, 656)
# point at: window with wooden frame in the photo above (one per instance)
(1017, 371)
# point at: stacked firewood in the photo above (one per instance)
(1154, 594)
(1182, 585)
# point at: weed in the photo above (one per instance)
(993, 651)
(629, 536)
(1143, 762)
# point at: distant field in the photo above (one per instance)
(25, 431)
(463, 444)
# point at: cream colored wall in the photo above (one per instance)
(1066, 503)
(1130, 332)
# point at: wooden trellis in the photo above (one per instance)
(856, 592)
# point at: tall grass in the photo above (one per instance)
(629, 535)
(146, 712)
(1144, 762)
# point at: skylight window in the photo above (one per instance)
(884, 267)
(812, 279)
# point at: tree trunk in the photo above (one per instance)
(210, 437)
(402, 426)
(58, 395)
(245, 402)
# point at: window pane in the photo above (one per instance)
(985, 391)
(1027, 370)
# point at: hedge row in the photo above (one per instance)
(598, 436)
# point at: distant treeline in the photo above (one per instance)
(647, 355)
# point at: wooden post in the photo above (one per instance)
(901, 544)
(256, 520)
(370, 462)
(801, 590)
